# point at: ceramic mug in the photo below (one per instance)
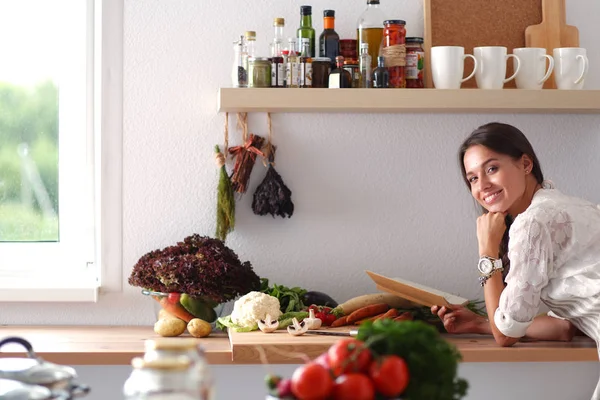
(571, 67)
(448, 66)
(533, 72)
(491, 71)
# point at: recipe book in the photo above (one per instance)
(415, 292)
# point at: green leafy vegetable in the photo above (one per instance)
(290, 299)
(225, 323)
(432, 361)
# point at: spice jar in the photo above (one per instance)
(394, 51)
(415, 63)
(352, 66)
(321, 67)
(259, 72)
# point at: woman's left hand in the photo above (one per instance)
(490, 230)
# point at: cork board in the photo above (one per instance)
(473, 23)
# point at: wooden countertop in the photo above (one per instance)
(104, 345)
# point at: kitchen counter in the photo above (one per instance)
(104, 345)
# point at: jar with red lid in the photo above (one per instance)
(415, 63)
(394, 51)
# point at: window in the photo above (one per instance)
(60, 116)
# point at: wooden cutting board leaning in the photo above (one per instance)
(553, 32)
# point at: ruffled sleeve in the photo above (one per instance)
(530, 254)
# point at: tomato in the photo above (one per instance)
(323, 360)
(353, 386)
(349, 355)
(312, 382)
(173, 298)
(390, 375)
(329, 319)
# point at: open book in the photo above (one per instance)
(415, 292)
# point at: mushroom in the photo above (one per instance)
(312, 322)
(268, 325)
(297, 328)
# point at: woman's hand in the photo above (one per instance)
(458, 319)
(490, 230)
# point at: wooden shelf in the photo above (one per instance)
(408, 101)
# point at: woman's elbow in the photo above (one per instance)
(568, 333)
(505, 341)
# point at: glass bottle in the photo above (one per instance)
(201, 379)
(370, 29)
(277, 65)
(250, 47)
(239, 76)
(292, 66)
(414, 63)
(340, 78)
(305, 65)
(381, 77)
(329, 41)
(306, 30)
(164, 379)
(365, 67)
(394, 51)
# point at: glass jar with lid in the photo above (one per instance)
(167, 348)
(160, 379)
(415, 63)
(259, 72)
(321, 68)
(394, 51)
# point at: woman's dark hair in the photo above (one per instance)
(503, 139)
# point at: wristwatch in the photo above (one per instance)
(487, 267)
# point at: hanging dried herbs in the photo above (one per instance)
(272, 196)
(225, 200)
(245, 157)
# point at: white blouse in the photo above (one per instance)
(554, 252)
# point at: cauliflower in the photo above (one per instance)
(250, 308)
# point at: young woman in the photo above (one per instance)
(535, 245)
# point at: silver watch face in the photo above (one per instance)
(485, 266)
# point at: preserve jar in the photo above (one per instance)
(259, 72)
(164, 379)
(415, 63)
(348, 48)
(394, 51)
(201, 380)
(321, 67)
(352, 66)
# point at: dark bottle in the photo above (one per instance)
(329, 41)
(381, 76)
(339, 77)
(306, 30)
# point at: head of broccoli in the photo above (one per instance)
(199, 266)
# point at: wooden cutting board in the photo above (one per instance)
(553, 32)
(473, 23)
(280, 347)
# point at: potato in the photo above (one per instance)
(199, 328)
(164, 314)
(169, 327)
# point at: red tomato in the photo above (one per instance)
(390, 375)
(349, 355)
(329, 319)
(323, 360)
(353, 386)
(312, 382)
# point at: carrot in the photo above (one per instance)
(175, 309)
(391, 313)
(340, 321)
(366, 312)
(405, 316)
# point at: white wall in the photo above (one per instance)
(371, 191)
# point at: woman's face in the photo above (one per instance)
(497, 181)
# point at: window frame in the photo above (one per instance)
(105, 111)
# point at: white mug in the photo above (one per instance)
(491, 71)
(571, 68)
(532, 73)
(448, 66)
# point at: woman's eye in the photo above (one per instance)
(472, 179)
(491, 169)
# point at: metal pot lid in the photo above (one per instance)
(33, 370)
(13, 390)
